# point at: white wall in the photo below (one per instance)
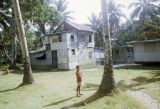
(147, 52)
(59, 45)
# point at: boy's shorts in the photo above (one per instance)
(78, 83)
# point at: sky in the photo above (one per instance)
(82, 9)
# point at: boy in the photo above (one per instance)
(79, 80)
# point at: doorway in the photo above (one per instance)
(54, 59)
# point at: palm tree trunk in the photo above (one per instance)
(108, 82)
(27, 78)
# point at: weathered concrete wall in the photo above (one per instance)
(86, 56)
(55, 44)
(62, 55)
(73, 59)
(41, 64)
(147, 52)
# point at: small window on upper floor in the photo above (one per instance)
(90, 38)
(73, 52)
(60, 38)
(72, 38)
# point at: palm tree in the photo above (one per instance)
(27, 78)
(96, 24)
(108, 83)
(143, 9)
(62, 7)
(115, 14)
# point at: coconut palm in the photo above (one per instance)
(96, 24)
(108, 82)
(27, 78)
(115, 14)
(62, 7)
(5, 14)
(143, 9)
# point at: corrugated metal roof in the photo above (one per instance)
(144, 41)
(80, 26)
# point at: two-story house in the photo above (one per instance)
(70, 45)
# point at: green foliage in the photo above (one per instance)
(144, 9)
(39, 13)
(62, 7)
(115, 15)
(96, 24)
(5, 14)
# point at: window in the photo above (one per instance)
(48, 47)
(90, 38)
(116, 52)
(72, 38)
(73, 52)
(90, 55)
(60, 38)
(43, 57)
(129, 53)
(55, 39)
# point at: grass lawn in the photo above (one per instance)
(56, 89)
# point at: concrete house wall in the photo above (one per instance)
(146, 51)
(41, 64)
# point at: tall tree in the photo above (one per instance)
(96, 24)
(27, 78)
(143, 9)
(115, 14)
(62, 7)
(108, 83)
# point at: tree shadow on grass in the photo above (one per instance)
(86, 101)
(138, 81)
(58, 102)
(89, 87)
(11, 89)
(20, 72)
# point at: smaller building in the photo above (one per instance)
(120, 54)
(147, 51)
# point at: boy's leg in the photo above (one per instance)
(80, 89)
(77, 90)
